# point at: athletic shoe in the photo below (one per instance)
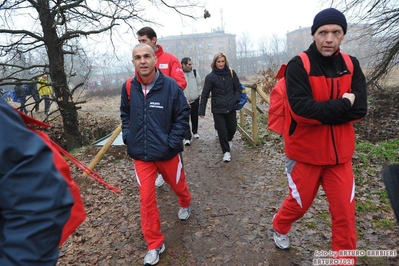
(216, 134)
(226, 157)
(184, 213)
(152, 256)
(187, 142)
(230, 144)
(159, 181)
(196, 136)
(282, 241)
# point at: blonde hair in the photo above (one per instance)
(216, 57)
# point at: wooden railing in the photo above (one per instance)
(251, 109)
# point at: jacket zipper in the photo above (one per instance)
(331, 126)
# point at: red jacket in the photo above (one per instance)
(318, 128)
(170, 66)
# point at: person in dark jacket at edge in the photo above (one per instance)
(319, 134)
(154, 123)
(225, 87)
(35, 201)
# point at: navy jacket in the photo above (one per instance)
(225, 90)
(35, 201)
(154, 126)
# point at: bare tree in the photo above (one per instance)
(245, 52)
(50, 31)
(383, 18)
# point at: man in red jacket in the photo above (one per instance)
(167, 63)
(318, 132)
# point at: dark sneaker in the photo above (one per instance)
(152, 256)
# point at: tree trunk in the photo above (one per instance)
(56, 62)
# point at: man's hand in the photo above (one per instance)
(350, 96)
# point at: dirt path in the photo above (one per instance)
(232, 208)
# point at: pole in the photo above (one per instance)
(104, 149)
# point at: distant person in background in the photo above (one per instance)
(154, 121)
(193, 93)
(226, 94)
(319, 137)
(45, 91)
(166, 62)
(21, 97)
(35, 95)
(35, 201)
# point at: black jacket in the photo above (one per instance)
(226, 93)
(20, 91)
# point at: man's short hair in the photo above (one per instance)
(185, 60)
(147, 31)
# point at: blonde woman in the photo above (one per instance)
(225, 87)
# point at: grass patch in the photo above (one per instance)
(366, 206)
(384, 223)
(384, 150)
(325, 216)
(312, 224)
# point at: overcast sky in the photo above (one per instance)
(254, 17)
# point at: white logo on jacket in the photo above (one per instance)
(155, 105)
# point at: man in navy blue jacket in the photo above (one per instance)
(35, 201)
(154, 123)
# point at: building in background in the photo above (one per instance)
(357, 42)
(246, 61)
(201, 48)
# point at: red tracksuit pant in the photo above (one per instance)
(146, 173)
(339, 186)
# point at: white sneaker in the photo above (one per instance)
(230, 144)
(196, 136)
(226, 157)
(152, 256)
(216, 134)
(184, 213)
(187, 142)
(281, 241)
(159, 181)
